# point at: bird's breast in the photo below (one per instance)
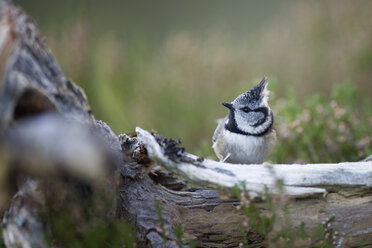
(243, 149)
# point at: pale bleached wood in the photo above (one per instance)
(299, 180)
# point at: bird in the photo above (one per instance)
(246, 135)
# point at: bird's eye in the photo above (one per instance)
(246, 109)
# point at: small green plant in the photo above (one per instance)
(263, 219)
(178, 231)
(261, 223)
(162, 227)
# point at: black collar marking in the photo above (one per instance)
(232, 127)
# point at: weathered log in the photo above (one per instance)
(49, 148)
(207, 219)
(47, 132)
(320, 191)
(32, 85)
(22, 226)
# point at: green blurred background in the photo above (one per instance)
(167, 65)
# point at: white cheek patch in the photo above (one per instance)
(264, 126)
(243, 126)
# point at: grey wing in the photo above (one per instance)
(220, 126)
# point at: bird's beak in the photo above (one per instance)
(227, 105)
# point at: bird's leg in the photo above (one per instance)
(227, 156)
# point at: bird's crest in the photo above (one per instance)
(256, 94)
